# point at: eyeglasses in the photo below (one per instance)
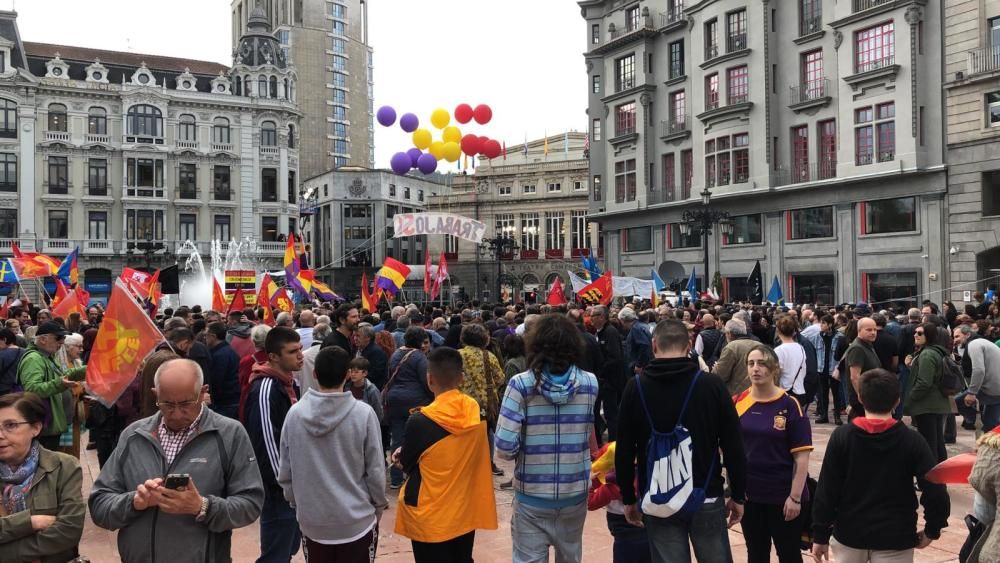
(920, 333)
(173, 406)
(10, 426)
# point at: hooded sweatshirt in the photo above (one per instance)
(865, 495)
(270, 397)
(546, 428)
(448, 490)
(332, 468)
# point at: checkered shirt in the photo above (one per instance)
(172, 442)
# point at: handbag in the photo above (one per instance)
(388, 384)
(492, 406)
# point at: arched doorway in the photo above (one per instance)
(98, 282)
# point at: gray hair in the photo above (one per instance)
(73, 340)
(325, 319)
(530, 320)
(599, 310)
(963, 328)
(174, 322)
(403, 322)
(736, 327)
(283, 318)
(199, 375)
(913, 314)
(258, 335)
(627, 314)
(366, 330)
(321, 331)
(397, 311)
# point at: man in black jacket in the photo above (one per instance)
(866, 497)
(610, 375)
(225, 382)
(713, 424)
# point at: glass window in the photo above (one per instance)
(741, 158)
(187, 226)
(874, 47)
(57, 118)
(625, 180)
(598, 195)
(529, 233)
(712, 91)
(898, 288)
(711, 39)
(595, 34)
(97, 225)
(144, 120)
(268, 134)
(555, 230)
(738, 82)
(59, 223)
(810, 20)
(625, 119)
(268, 228)
(736, 27)
(8, 172)
(675, 239)
(8, 119)
(638, 239)
(991, 192)
(97, 121)
(187, 128)
(220, 131)
(269, 184)
(800, 154)
(676, 59)
(187, 183)
(632, 18)
(58, 175)
(811, 78)
(678, 110)
(813, 288)
(827, 149)
(890, 216)
(97, 177)
(220, 183)
(580, 230)
(687, 173)
(813, 222)
(625, 73)
(992, 109)
(737, 289)
(669, 177)
(8, 223)
(747, 229)
(554, 187)
(596, 80)
(222, 227)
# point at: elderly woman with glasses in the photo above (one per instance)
(41, 374)
(70, 357)
(41, 506)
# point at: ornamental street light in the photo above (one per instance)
(700, 221)
(501, 247)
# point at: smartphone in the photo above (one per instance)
(177, 480)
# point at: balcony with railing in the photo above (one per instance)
(804, 172)
(876, 64)
(736, 42)
(555, 253)
(269, 150)
(711, 51)
(222, 147)
(644, 24)
(734, 98)
(525, 254)
(191, 145)
(862, 5)
(93, 138)
(867, 71)
(58, 246)
(810, 24)
(95, 190)
(678, 126)
(60, 136)
(711, 101)
(220, 194)
(984, 60)
(6, 244)
(809, 94)
(98, 247)
(672, 16)
(271, 248)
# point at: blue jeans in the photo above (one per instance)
(536, 530)
(990, 413)
(279, 531)
(669, 538)
(397, 425)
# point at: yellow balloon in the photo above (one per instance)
(451, 135)
(422, 139)
(452, 151)
(437, 149)
(440, 118)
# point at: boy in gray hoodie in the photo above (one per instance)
(332, 469)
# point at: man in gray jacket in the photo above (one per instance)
(332, 468)
(193, 522)
(981, 363)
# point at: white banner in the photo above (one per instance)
(410, 224)
(622, 286)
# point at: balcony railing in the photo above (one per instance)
(888, 60)
(222, 147)
(805, 172)
(271, 248)
(95, 138)
(554, 253)
(101, 191)
(711, 51)
(98, 247)
(711, 100)
(6, 244)
(676, 124)
(269, 150)
(676, 69)
(733, 99)
(736, 42)
(58, 246)
(62, 136)
(188, 193)
(673, 15)
(624, 130)
(860, 5)
(618, 32)
(809, 91)
(810, 24)
(187, 145)
(864, 158)
(984, 60)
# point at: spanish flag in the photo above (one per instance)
(392, 275)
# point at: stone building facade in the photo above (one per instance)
(538, 196)
(972, 105)
(129, 156)
(327, 41)
(816, 126)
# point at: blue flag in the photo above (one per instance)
(658, 281)
(68, 272)
(590, 267)
(7, 274)
(774, 295)
(989, 294)
(692, 287)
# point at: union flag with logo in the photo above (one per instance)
(126, 337)
(599, 292)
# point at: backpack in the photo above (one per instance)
(668, 489)
(951, 381)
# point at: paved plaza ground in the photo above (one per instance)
(495, 546)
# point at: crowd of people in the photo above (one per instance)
(678, 422)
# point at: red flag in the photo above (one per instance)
(73, 302)
(428, 282)
(30, 268)
(61, 293)
(368, 300)
(281, 301)
(218, 297)
(125, 338)
(264, 299)
(598, 292)
(439, 277)
(238, 303)
(139, 282)
(5, 310)
(154, 294)
(556, 295)
(50, 263)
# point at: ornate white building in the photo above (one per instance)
(128, 156)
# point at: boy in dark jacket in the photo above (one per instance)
(270, 397)
(363, 390)
(865, 497)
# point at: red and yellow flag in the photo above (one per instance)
(600, 292)
(267, 288)
(218, 296)
(281, 301)
(73, 302)
(30, 268)
(125, 338)
(367, 299)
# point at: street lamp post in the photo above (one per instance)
(701, 221)
(501, 247)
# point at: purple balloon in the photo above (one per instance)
(427, 163)
(386, 116)
(400, 163)
(414, 156)
(409, 122)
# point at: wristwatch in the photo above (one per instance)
(203, 513)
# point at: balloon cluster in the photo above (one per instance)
(427, 150)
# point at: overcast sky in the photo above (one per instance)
(522, 57)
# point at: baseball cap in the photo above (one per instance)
(53, 328)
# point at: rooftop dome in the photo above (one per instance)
(258, 47)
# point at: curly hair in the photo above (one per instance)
(554, 344)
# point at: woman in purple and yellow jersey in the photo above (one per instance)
(778, 439)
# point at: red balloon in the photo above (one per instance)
(483, 114)
(492, 149)
(471, 145)
(953, 471)
(463, 113)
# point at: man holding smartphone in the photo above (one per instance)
(222, 489)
